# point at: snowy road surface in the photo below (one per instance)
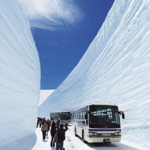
(75, 143)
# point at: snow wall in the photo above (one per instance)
(19, 75)
(115, 69)
(44, 94)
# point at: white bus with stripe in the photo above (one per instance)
(98, 123)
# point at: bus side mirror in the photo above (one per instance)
(122, 113)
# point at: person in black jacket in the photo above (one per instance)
(58, 123)
(48, 124)
(61, 137)
(53, 131)
(38, 120)
(43, 120)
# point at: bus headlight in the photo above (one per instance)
(118, 133)
(91, 133)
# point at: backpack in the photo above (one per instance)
(55, 137)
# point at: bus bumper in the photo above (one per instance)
(102, 139)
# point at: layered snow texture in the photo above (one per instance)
(115, 69)
(19, 75)
(44, 94)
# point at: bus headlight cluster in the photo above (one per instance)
(118, 133)
(91, 133)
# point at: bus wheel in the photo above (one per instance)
(83, 138)
(75, 132)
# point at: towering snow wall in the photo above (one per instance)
(44, 94)
(115, 69)
(19, 74)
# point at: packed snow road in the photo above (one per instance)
(75, 143)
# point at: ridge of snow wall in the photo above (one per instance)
(19, 75)
(115, 69)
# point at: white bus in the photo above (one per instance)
(64, 116)
(98, 123)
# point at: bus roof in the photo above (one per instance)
(101, 104)
(59, 111)
(96, 104)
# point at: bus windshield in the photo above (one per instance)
(65, 115)
(104, 117)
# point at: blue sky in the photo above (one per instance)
(62, 33)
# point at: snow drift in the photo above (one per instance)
(19, 75)
(115, 69)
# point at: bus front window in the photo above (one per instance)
(65, 115)
(104, 117)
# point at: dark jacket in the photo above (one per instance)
(48, 122)
(58, 122)
(53, 130)
(61, 133)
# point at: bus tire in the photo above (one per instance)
(83, 138)
(75, 132)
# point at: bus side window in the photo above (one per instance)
(83, 115)
(80, 115)
(86, 116)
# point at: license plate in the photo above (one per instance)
(106, 134)
(106, 140)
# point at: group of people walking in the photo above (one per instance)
(57, 131)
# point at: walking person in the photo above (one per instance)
(58, 123)
(53, 132)
(38, 119)
(40, 122)
(61, 137)
(51, 121)
(43, 120)
(48, 124)
(44, 129)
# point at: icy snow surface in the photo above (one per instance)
(115, 69)
(44, 94)
(19, 75)
(75, 143)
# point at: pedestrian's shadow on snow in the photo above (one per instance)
(26, 143)
(53, 148)
(45, 141)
